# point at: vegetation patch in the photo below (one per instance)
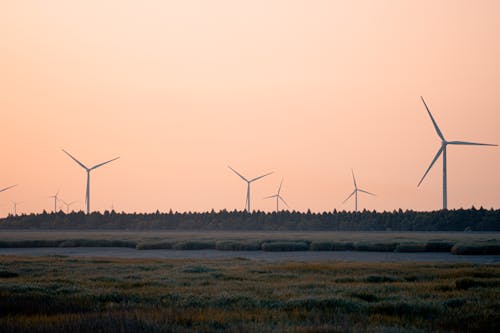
(411, 247)
(198, 269)
(195, 245)
(162, 245)
(238, 246)
(278, 246)
(331, 246)
(8, 274)
(476, 249)
(375, 247)
(380, 279)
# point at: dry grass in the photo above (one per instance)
(63, 294)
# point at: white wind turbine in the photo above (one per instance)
(355, 193)
(55, 196)
(87, 193)
(247, 204)
(278, 198)
(442, 150)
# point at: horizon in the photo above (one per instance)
(307, 91)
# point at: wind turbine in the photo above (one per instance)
(87, 193)
(14, 204)
(355, 192)
(6, 188)
(442, 150)
(55, 200)
(68, 204)
(278, 197)
(247, 204)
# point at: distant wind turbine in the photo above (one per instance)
(355, 193)
(6, 188)
(442, 150)
(87, 193)
(14, 204)
(278, 198)
(67, 204)
(247, 204)
(55, 196)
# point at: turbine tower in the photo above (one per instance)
(355, 193)
(87, 193)
(442, 150)
(55, 196)
(278, 197)
(6, 188)
(247, 203)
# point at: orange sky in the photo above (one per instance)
(308, 89)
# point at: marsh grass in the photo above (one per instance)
(64, 294)
(456, 243)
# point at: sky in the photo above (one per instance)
(307, 89)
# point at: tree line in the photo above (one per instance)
(398, 220)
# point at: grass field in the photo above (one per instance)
(456, 242)
(67, 294)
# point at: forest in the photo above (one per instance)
(398, 220)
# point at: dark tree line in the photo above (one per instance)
(444, 220)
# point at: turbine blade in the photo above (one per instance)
(360, 190)
(354, 179)
(271, 196)
(470, 143)
(281, 198)
(438, 131)
(279, 189)
(349, 196)
(74, 159)
(101, 164)
(257, 178)
(9, 187)
(236, 172)
(430, 166)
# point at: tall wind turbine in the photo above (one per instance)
(55, 196)
(355, 192)
(278, 198)
(247, 203)
(442, 150)
(6, 188)
(87, 193)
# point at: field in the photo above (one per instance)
(457, 242)
(66, 294)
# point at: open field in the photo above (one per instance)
(67, 294)
(456, 242)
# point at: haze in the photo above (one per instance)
(307, 89)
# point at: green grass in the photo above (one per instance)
(65, 294)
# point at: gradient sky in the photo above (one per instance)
(307, 89)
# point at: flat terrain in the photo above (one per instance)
(250, 235)
(208, 254)
(70, 294)
(459, 243)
